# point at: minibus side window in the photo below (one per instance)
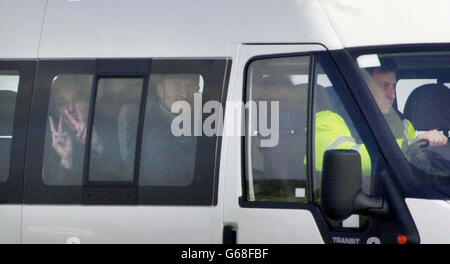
(9, 83)
(127, 131)
(65, 133)
(168, 147)
(183, 117)
(112, 155)
(277, 92)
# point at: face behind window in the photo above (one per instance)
(70, 99)
(383, 88)
(423, 106)
(68, 114)
(173, 88)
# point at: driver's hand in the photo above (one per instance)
(435, 137)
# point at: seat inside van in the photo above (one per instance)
(427, 108)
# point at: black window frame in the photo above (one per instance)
(87, 182)
(11, 191)
(308, 205)
(113, 193)
(195, 193)
(244, 141)
(118, 193)
(35, 190)
(347, 97)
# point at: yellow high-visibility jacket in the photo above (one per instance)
(333, 133)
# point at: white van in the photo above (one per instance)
(88, 155)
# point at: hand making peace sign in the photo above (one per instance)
(80, 125)
(61, 142)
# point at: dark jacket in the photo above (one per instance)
(166, 160)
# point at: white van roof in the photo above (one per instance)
(384, 22)
(209, 28)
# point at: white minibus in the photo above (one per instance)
(212, 121)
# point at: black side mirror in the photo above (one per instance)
(342, 193)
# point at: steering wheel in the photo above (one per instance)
(416, 148)
(421, 143)
(431, 159)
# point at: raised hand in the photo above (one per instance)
(61, 142)
(80, 126)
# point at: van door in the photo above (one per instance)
(110, 168)
(16, 82)
(295, 101)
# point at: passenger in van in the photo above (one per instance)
(168, 160)
(332, 132)
(68, 112)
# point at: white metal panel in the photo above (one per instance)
(185, 28)
(287, 21)
(53, 224)
(10, 220)
(121, 224)
(381, 22)
(138, 28)
(257, 225)
(432, 219)
(20, 27)
(277, 226)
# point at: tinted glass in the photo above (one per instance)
(169, 137)
(65, 136)
(147, 133)
(410, 91)
(277, 92)
(114, 129)
(334, 129)
(182, 122)
(9, 83)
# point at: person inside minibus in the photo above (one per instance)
(332, 132)
(166, 159)
(68, 113)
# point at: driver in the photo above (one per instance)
(333, 133)
(383, 84)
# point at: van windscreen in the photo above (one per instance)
(411, 90)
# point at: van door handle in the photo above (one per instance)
(229, 235)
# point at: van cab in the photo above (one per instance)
(204, 121)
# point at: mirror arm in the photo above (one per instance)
(367, 205)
